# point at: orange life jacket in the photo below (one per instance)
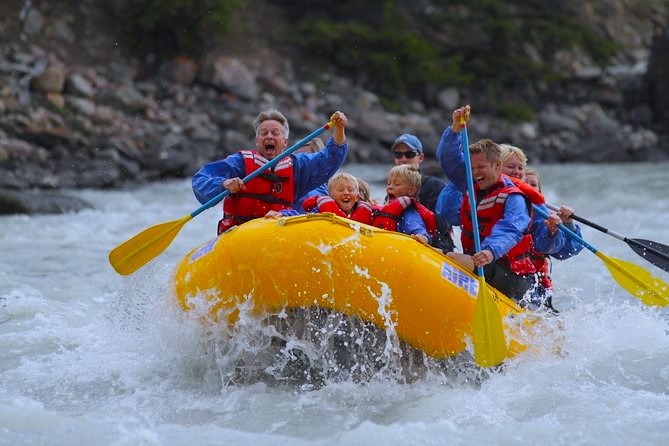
(389, 215)
(270, 191)
(489, 210)
(361, 212)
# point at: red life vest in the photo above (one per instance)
(542, 262)
(270, 191)
(361, 212)
(534, 195)
(543, 265)
(489, 211)
(389, 215)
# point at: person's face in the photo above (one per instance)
(270, 140)
(485, 173)
(403, 149)
(345, 194)
(514, 167)
(533, 181)
(399, 186)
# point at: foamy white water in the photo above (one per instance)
(90, 357)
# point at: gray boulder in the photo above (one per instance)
(39, 202)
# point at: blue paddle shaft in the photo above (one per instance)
(566, 230)
(472, 197)
(218, 198)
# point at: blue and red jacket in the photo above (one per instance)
(490, 209)
(272, 190)
(309, 170)
(451, 158)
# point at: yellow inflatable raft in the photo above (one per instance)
(383, 277)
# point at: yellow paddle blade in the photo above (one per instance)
(488, 332)
(142, 248)
(638, 281)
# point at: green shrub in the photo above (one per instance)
(393, 61)
(391, 104)
(166, 28)
(514, 111)
(399, 47)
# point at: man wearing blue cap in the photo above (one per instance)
(407, 149)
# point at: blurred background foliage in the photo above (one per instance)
(397, 48)
(166, 28)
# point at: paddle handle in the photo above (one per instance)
(591, 224)
(218, 198)
(566, 230)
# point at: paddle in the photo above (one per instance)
(639, 282)
(139, 250)
(653, 252)
(488, 332)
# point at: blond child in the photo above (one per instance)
(402, 212)
(343, 199)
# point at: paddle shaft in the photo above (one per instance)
(472, 196)
(488, 332)
(217, 199)
(631, 242)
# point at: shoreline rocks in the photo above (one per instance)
(40, 202)
(70, 125)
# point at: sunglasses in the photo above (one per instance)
(410, 155)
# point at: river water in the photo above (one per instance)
(88, 357)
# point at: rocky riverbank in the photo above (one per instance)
(66, 124)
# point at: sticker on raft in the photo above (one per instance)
(467, 283)
(203, 250)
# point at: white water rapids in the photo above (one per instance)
(88, 357)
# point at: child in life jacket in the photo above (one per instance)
(402, 212)
(343, 199)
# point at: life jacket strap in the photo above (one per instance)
(238, 219)
(265, 198)
(274, 178)
(380, 213)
